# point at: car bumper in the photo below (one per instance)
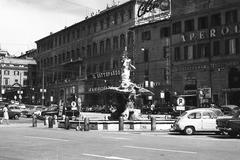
(175, 128)
(224, 129)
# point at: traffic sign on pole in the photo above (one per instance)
(180, 101)
(74, 104)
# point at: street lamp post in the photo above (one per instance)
(43, 97)
(20, 92)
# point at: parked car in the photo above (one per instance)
(230, 125)
(54, 110)
(11, 113)
(33, 109)
(163, 110)
(229, 109)
(51, 111)
(15, 108)
(201, 119)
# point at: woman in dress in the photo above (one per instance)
(5, 114)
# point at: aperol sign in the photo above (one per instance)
(152, 10)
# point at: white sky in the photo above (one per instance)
(22, 22)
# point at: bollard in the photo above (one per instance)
(34, 120)
(86, 124)
(153, 123)
(73, 118)
(63, 117)
(67, 125)
(121, 123)
(50, 122)
(45, 120)
(55, 122)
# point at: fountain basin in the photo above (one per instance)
(106, 125)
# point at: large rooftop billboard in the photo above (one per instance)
(149, 11)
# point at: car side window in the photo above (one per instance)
(208, 115)
(196, 115)
(226, 109)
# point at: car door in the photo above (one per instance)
(194, 119)
(209, 121)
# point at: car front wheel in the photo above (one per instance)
(189, 130)
(16, 117)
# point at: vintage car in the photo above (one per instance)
(200, 119)
(11, 113)
(230, 125)
(33, 109)
(229, 109)
(54, 110)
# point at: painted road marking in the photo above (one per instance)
(47, 138)
(105, 157)
(202, 138)
(161, 149)
(117, 138)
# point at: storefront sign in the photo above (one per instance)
(211, 33)
(152, 10)
(107, 74)
(201, 67)
(98, 89)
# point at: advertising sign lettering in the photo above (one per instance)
(152, 10)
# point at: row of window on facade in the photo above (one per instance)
(101, 48)
(6, 82)
(60, 76)
(203, 50)
(231, 17)
(15, 73)
(103, 66)
(85, 30)
(105, 47)
(61, 58)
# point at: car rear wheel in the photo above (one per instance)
(189, 130)
(16, 116)
(232, 134)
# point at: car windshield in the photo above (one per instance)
(52, 108)
(218, 112)
(183, 114)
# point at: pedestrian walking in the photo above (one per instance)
(5, 114)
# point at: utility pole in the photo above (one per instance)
(43, 88)
(1, 68)
(0, 77)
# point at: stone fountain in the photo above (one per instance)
(126, 93)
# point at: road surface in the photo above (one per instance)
(26, 143)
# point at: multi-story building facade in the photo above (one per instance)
(84, 58)
(205, 52)
(196, 49)
(14, 79)
(203, 55)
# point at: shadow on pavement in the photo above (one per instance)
(223, 137)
